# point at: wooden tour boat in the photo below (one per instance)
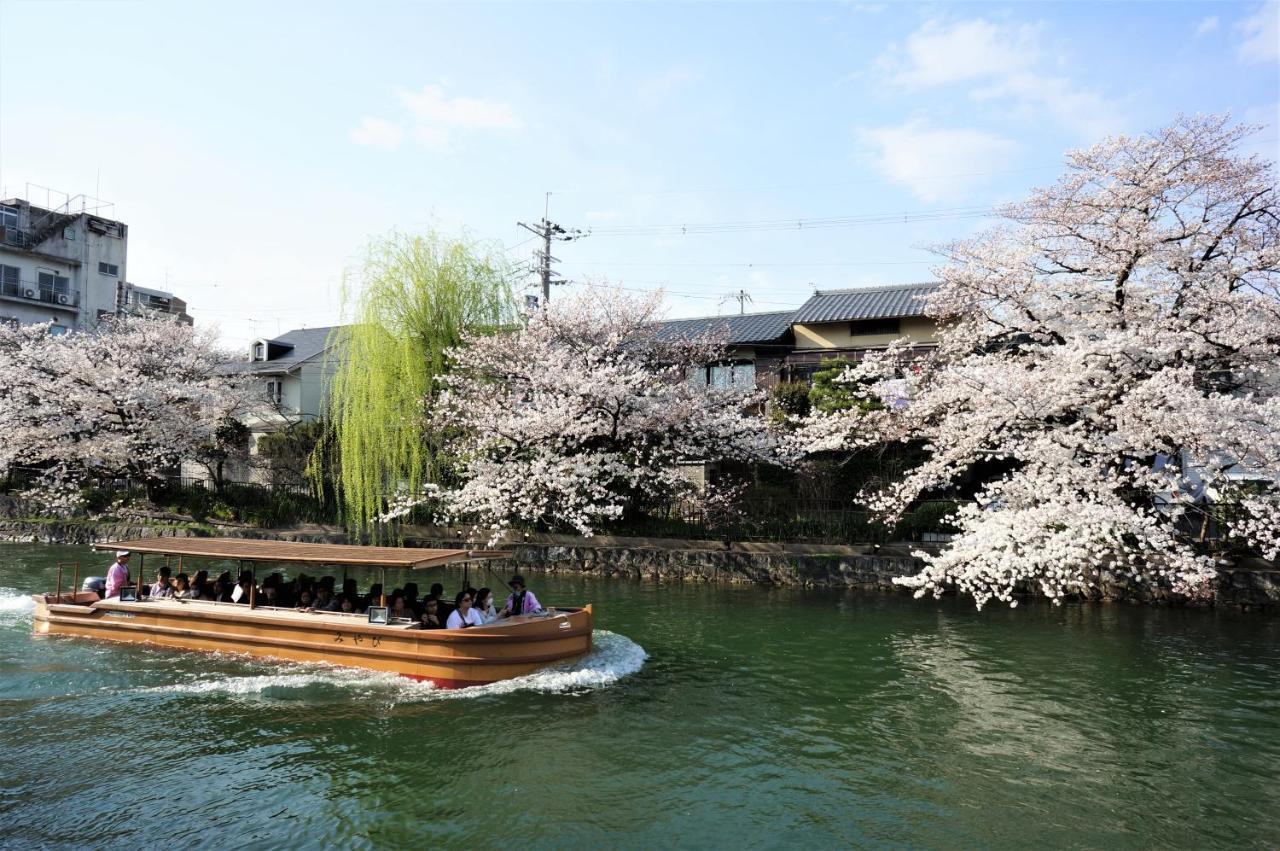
(450, 658)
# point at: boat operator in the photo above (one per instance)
(520, 601)
(118, 574)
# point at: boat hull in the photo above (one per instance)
(448, 658)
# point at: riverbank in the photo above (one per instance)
(1254, 586)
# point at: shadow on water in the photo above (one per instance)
(706, 717)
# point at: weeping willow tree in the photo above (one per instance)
(412, 298)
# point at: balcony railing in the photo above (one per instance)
(32, 291)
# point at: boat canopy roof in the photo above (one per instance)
(303, 553)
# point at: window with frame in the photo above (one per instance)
(275, 391)
(8, 216)
(108, 269)
(51, 284)
(10, 280)
(740, 375)
(866, 327)
(259, 351)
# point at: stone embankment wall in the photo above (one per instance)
(1254, 586)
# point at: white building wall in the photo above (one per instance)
(75, 252)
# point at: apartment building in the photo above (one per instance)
(68, 265)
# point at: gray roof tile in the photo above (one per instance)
(740, 328)
(865, 303)
(303, 343)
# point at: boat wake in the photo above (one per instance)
(612, 657)
(15, 605)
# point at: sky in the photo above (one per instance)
(254, 150)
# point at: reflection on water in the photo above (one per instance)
(705, 717)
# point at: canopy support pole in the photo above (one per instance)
(383, 600)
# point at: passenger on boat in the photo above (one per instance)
(304, 602)
(411, 597)
(375, 595)
(347, 605)
(118, 574)
(484, 605)
(325, 601)
(182, 588)
(437, 591)
(399, 607)
(162, 587)
(350, 590)
(431, 614)
(221, 589)
(268, 596)
(464, 616)
(244, 585)
(520, 602)
(200, 585)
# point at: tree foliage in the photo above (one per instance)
(132, 399)
(416, 298)
(583, 415)
(1117, 348)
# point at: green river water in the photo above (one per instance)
(707, 717)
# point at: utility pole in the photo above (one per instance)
(742, 297)
(549, 230)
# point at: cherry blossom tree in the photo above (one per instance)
(1108, 370)
(581, 415)
(130, 399)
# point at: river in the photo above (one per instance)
(707, 717)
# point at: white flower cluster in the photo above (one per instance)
(1125, 324)
(132, 399)
(584, 414)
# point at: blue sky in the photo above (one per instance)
(254, 148)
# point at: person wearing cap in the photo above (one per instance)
(118, 574)
(520, 601)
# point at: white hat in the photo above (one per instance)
(122, 553)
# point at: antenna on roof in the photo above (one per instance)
(742, 297)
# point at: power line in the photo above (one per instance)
(774, 187)
(735, 264)
(823, 223)
(548, 230)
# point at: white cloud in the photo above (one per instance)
(1007, 62)
(1208, 25)
(431, 108)
(432, 118)
(913, 155)
(377, 133)
(939, 55)
(1261, 32)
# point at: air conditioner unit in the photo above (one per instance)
(63, 300)
(29, 293)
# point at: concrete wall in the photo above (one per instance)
(835, 335)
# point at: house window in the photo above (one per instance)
(259, 351)
(8, 216)
(861, 327)
(724, 376)
(52, 284)
(10, 280)
(109, 269)
(275, 391)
